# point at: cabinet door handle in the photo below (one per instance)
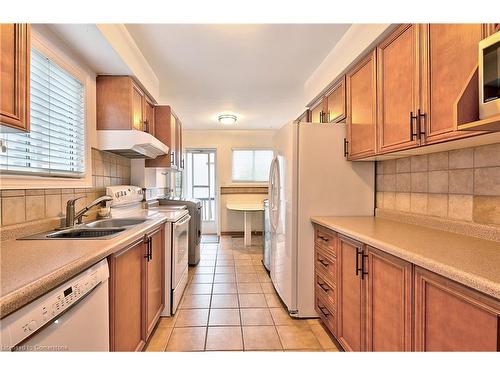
(346, 144)
(146, 126)
(412, 133)
(363, 272)
(322, 309)
(323, 262)
(322, 286)
(323, 238)
(358, 268)
(421, 129)
(146, 241)
(150, 248)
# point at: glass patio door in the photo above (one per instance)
(200, 183)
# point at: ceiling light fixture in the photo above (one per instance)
(227, 119)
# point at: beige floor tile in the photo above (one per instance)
(261, 338)
(224, 338)
(195, 301)
(204, 270)
(167, 321)
(202, 279)
(322, 336)
(245, 269)
(243, 262)
(224, 278)
(273, 300)
(192, 318)
(256, 256)
(159, 339)
(187, 339)
(225, 257)
(245, 288)
(313, 321)
(295, 337)
(267, 287)
(247, 278)
(224, 301)
(199, 289)
(225, 263)
(242, 256)
(256, 317)
(222, 269)
(224, 317)
(263, 278)
(282, 318)
(252, 300)
(224, 288)
(208, 256)
(206, 263)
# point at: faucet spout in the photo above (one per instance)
(71, 216)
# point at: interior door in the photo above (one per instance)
(201, 184)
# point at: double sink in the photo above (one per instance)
(102, 229)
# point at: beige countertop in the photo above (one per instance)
(30, 268)
(468, 260)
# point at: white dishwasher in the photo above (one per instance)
(72, 317)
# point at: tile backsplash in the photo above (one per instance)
(27, 205)
(460, 184)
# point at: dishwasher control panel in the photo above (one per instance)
(23, 323)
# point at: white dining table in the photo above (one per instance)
(247, 208)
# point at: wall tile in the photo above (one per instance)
(438, 182)
(403, 182)
(461, 181)
(379, 180)
(419, 182)
(487, 156)
(460, 207)
(13, 193)
(418, 203)
(35, 207)
(419, 163)
(379, 167)
(390, 182)
(438, 161)
(379, 199)
(463, 158)
(486, 210)
(389, 166)
(403, 165)
(403, 202)
(437, 205)
(53, 206)
(13, 210)
(487, 181)
(389, 200)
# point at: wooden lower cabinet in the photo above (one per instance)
(373, 301)
(388, 302)
(136, 295)
(452, 317)
(127, 271)
(155, 280)
(351, 309)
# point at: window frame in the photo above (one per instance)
(18, 180)
(257, 182)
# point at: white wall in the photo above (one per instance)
(224, 141)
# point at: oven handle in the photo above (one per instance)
(177, 223)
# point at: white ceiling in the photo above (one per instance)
(257, 71)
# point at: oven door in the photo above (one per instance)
(180, 242)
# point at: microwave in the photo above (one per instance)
(489, 76)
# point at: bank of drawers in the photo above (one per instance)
(325, 276)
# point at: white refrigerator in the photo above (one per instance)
(309, 176)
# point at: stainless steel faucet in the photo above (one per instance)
(71, 216)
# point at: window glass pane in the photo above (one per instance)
(251, 165)
(200, 192)
(200, 169)
(55, 144)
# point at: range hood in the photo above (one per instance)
(132, 144)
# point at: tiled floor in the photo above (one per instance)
(230, 304)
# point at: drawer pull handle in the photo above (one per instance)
(322, 286)
(324, 262)
(324, 310)
(326, 239)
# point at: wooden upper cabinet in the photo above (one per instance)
(389, 302)
(155, 280)
(180, 157)
(398, 80)
(304, 117)
(149, 117)
(318, 111)
(15, 44)
(335, 102)
(452, 317)
(351, 289)
(127, 269)
(449, 65)
(121, 104)
(361, 108)
(165, 132)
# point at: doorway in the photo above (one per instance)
(201, 184)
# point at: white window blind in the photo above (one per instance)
(55, 145)
(251, 165)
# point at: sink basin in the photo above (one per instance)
(87, 233)
(115, 223)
